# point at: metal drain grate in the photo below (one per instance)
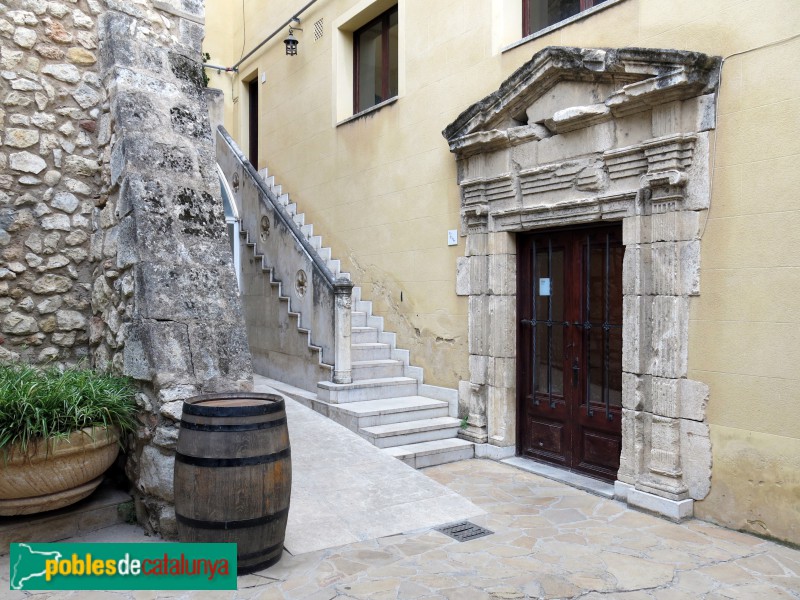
(463, 531)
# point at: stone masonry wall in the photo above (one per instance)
(164, 297)
(52, 101)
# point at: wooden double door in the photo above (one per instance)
(570, 348)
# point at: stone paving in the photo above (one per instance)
(549, 541)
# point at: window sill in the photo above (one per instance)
(368, 111)
(560, 24)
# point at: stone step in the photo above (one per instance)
(368, 389)
(411, 432)
(363, 335)
(357, 415)
(370, 351)
(437, 452)
(358, 318)
(376, 369)
(107, 506)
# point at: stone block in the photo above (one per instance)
(477, 244)
(502, 326)
(479, 325)
(501, 414)
(632, 444)
(636, 270)
(674, 510)
(502, 372)
(597, 138)
(693, 399)
(666, 271)
(633, 336)
(669, 355)
(169, 292)
(478, 275)
(462, 276)
(501, 243)
(502, 274)
(665, 397)
(634, 391)
(695, 445)
(478, 369)
(156, 473)
(665, 455)
(674, 226)
(689, 259)
(136, 110)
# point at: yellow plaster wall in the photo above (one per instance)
(381, 191)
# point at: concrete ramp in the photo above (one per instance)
(346, 490)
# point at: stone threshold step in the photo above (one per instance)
(428, 448)
(367, 389)
(107, 506)
(410, 432)
(386, 406)
(582, 482)
(430, 454)
(378, 362)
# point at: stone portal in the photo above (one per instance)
(579, 136)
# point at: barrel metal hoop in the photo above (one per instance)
(199, 410)
(202, 461)
(259, 553)
(241, 524)
(241, 427)
(259, 566)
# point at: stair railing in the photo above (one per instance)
(323, 301)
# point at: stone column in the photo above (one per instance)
(343, 364)
(473, 397)
(502, 364)
(166, 307)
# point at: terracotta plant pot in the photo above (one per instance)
(58, 473)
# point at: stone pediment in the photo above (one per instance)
(562, 89)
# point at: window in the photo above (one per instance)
(375, 61)
(539, 14)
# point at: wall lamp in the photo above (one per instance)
(291, 41)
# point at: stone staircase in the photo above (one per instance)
(387, 403)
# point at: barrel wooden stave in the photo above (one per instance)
(217, 499)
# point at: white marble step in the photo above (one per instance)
(356, 415)
(363, 335)
(370, 351)
(358, 318)
(437, 452)
(368, 389)
(411, 432)
(376, 369)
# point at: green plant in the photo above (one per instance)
(45, 404)
(206, 78)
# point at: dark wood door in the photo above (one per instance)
(570, 348)
(252, 121)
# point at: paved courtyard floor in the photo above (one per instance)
(549, 541)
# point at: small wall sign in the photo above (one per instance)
(544, 286)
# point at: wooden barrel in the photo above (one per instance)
(233, 475)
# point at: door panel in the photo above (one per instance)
(570, 348)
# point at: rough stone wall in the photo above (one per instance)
(52, 101)
(164, 296)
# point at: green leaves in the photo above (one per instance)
(44, 404)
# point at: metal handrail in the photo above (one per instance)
(312, 254)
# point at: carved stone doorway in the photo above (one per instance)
(595, 136)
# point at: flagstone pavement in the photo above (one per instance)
(549, 541)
